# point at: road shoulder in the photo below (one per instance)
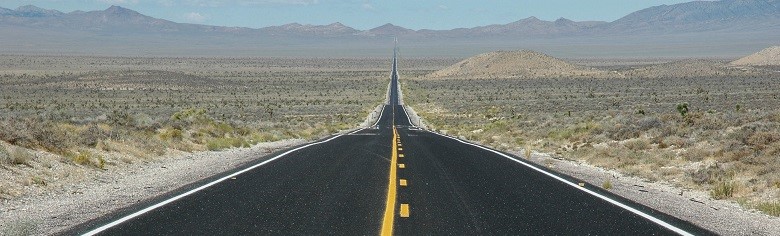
(721, 216)
(104, 192)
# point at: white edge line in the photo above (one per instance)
(380, 115)
(177, 197)
(605, 198)
(407, 116)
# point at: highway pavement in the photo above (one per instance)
(389, 179)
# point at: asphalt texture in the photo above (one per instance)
(341, 186)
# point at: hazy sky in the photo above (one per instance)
(360, 14)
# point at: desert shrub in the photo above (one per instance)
(647, 123)
(723, 190)
(88, 158)
(225, 143)
(20, 156)
(34, 133)
(607, 184)
(145, 122)
(770, 208)
(267, 137)
(709, 122)
(682, 108)
(5, 157)
(171, 134)
(708, 175)
(746, 132)
(120, 118)
(191, 116)
(623, 132)
(637, 144)
(92, 135)
(761, 138)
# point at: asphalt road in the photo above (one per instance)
(391, 178)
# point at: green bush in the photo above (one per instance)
(682, 108)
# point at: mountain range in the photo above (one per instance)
(746, 24)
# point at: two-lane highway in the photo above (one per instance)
(391, 178)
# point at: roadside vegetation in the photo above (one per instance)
(719, 133)
(63, 116)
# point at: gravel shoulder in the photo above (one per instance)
(102, 192)
(720, 216)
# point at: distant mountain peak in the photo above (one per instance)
(390, 29)
(337, 24)
(34, 11)
(564, 22)
(120, 10)
(531, 18)
(29, 8)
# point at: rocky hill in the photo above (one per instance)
(517, 64)
(767, 57)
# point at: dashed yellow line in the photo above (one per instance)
(387, 221)
(404, 210)
(400, 155)
(401, 166)
(402, 182)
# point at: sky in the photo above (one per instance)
(359, 14)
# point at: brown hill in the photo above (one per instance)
(768, 57)
(516, 64)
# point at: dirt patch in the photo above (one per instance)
(517, 64)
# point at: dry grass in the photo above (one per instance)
(726, 142)
(96, 113)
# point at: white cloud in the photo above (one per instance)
(443, 7)
(196, 17)
(367, 6)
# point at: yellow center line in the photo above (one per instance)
(387, 221)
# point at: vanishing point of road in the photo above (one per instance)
(392, 178)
